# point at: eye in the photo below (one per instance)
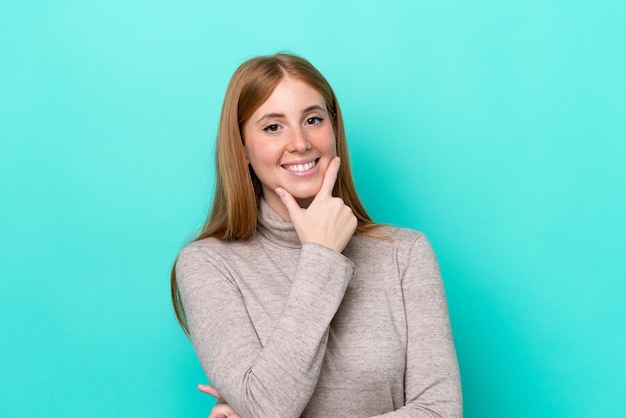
(314, 120)
(271, 128)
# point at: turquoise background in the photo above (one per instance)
(498, 128)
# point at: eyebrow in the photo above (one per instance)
(281, 115)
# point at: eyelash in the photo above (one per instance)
(317, 120)
(269, 129)
(273, 127)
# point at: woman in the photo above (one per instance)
(297, 304)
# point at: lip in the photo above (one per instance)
(304, 161)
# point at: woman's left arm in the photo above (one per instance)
(432, 379)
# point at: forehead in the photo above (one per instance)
(291, 95)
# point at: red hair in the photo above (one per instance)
(238, 190)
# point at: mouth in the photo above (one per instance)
(300, 167)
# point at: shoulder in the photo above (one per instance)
(391, 237)
(206, 245)
(200, 249)
(212, 252)
(402, 245)
(215, 247)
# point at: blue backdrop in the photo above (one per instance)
(498, 128)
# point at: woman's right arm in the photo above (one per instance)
(278, 379)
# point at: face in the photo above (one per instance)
(289, 142)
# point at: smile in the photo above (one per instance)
(300, 168)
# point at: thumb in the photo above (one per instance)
(222, 411)
(290, 203)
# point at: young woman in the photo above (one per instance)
(297, 304)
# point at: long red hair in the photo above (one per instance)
(238, 190)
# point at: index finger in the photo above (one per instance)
(330, 177)
(209, 390)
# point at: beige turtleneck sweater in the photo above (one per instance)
(284, 329)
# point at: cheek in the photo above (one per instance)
(262, 155)
(332, 143)
(324, 140)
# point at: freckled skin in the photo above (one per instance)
(291, 127)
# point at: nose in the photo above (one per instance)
(299, 141)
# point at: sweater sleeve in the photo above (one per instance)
(275, 380)
(432, 379)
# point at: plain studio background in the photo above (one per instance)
(498, 128)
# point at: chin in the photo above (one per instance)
(304, 195)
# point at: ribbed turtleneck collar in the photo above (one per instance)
(275, 229)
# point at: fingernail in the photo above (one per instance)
(280, 192)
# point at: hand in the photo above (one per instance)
(327, 221)
(223, 410)
(220, 410)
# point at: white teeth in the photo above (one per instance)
(299, 168)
